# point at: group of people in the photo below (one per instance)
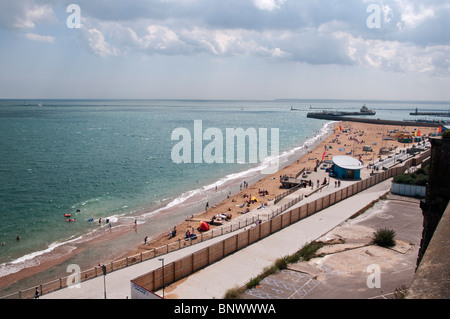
(173, 232)
(244, 185)
(220, 217)
(190, 236)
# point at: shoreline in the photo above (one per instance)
(165, 211)
(269, 183)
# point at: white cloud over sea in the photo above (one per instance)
(412, 36)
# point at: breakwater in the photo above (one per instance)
(322, 116)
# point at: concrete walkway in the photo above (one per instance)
(236, 269)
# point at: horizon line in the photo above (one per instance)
(231, 100)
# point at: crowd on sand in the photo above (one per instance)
(359, 140)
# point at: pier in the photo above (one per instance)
(324, 116)
(417, 113)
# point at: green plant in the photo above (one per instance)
(419, 177)
(309, 250)
(281, 263)
(384, 237)
(421, 180)
(253, 282)
(407, 179)
(233, 293)
(446, 134)
(306, 253)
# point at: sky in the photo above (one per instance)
(225, 49)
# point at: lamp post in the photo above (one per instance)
(373, 162)
(162, 268)
(104, 278)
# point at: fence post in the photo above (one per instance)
(259, 230)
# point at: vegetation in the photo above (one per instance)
(233, 293)
(446, 134)
(307, 252)
(384, 237)
(419, 177)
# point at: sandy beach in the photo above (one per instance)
(345, 137)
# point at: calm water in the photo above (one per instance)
(112, 159)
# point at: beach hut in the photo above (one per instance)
(346, 167)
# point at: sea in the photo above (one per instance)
(113, 160)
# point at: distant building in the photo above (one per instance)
(346, 167)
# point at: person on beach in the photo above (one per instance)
(145, 240)
(173, 232)
(36, 293)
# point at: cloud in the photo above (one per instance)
(95, 41)
(413, 35)
(25, 14)
(40, 38)
(268, 4)
(334, 42)
(413, 14)
(397, 56)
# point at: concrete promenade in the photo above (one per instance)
(236, 269)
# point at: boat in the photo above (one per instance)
(329, 114)
(365, 111)
(67, 215)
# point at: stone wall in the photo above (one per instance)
(438, 191)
